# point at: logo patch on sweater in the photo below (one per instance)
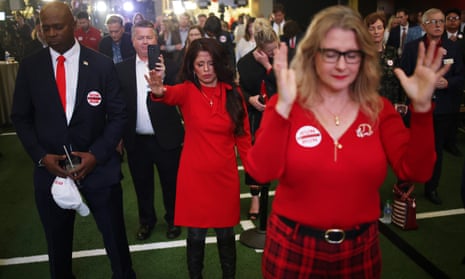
(308, 136)
(364, 130)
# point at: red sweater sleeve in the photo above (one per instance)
(410, 151)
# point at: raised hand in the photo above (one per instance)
(421, 85)
(155, 82)
(285, 79)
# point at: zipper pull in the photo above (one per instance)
(337, 146)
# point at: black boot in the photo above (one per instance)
(195, 254)
(227, 251)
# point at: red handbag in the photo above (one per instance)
(404, 213)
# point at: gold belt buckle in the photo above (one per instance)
(337, 231)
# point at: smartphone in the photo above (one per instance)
(153, 54)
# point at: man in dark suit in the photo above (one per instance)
(87, 115)
(397, 38)
(291, 37)
(448, 89)
(117, 45)
(453, 33)
(153, 135)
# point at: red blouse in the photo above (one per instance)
(326, 185)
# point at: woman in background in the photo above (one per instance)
(247, 42)
(258, 83)
(388, 59)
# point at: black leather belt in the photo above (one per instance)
(332, 236)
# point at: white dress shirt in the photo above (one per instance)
(71, 73)
(143, 122)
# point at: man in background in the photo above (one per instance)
(453, 33)
(184, 24)
(448, 92)
(117, 45)
(278, 19)
(85, 33)
(403, 33)
(153, 135)
(201, 19)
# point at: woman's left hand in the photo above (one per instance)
(421, 85)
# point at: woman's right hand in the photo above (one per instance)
(420, 86)
(155, 81)
(285, 79)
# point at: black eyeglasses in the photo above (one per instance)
(435, 21)
(453, 18)
(330, 55)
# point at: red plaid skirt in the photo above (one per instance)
(290, 255)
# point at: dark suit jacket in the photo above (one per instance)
(165, 119)
(97, 126)
(291, 51)
(127, 50)
(251, 74)
(446, 100)
(414, 32)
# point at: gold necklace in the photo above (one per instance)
(209, 100)
(337, 117)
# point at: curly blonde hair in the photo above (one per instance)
(364, 89)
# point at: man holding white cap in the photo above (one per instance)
(67, 96)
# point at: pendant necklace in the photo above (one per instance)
(209, 100)
(337, 117)
(205, 96)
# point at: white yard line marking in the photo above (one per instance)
(8, 134)
(101, 252)
(441, 213)
(245, 224)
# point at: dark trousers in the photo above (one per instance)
(142, 157)
(443, 123)
(106, 205)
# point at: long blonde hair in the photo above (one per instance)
(264, 33)
(364, 89)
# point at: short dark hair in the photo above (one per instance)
(278, 8)
(453, 10)
(82, 15)
(213, 25)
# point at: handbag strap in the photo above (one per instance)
(404, 195)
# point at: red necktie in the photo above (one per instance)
(61, 80)
(402, 38)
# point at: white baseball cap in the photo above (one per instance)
(67, 196)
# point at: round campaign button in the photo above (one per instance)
(94, 98)
(308, 136)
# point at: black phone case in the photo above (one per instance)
(153, 52)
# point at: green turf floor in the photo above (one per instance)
(440, 240)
